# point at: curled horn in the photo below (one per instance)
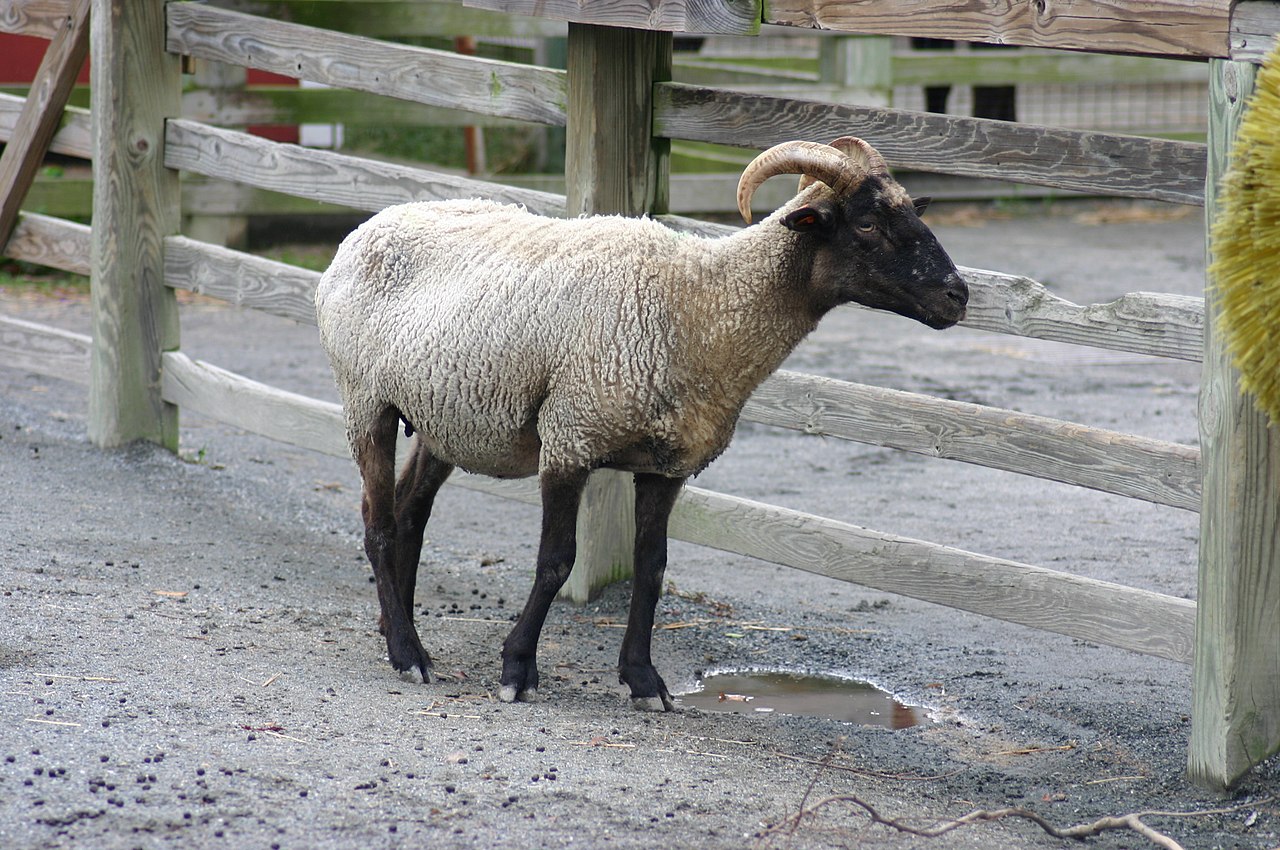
(860, 152)
(821, 162)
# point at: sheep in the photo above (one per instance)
(515, 344)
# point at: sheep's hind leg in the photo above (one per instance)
(376, 456)
(420, 480)
(655, 496)
(557, 549)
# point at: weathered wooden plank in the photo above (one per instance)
(291, 105)
(51, 242)
(334, 178)
(41, 18)
(136, 86)
(1235, 718)
(1152, 323)
(1102, 163)
(400, 18)
(75, 138)
(241, 279)
(433, 77)
(263, 409)
(1113, 462)
(1099, 612)
(44, 350)
(42, 112)
(723, 17)
(1196, 28)
(1096, 611)
(1023, 67)
(1254, 27)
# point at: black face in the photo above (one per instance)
(871, 247)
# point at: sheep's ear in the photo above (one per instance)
(807, 219)
(921, 204)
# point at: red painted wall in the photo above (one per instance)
(20, 57)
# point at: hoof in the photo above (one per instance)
(660, 703)
(416, 674)
(508, 693)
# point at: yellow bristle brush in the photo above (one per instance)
(1245, 271)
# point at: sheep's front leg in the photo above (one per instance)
(376, 456)
(557, 548)
(655, 496)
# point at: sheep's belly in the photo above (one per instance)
(497, 453)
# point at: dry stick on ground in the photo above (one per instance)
(1132, 822)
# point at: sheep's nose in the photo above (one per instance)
(956, 289)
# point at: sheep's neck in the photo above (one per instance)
(762, 314)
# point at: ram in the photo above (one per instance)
(515, 345)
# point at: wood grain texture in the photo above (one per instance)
(1154, 323)
(724, 17)
(433, 77)
(52, 242)
(1100, 612)
(1100, 163)
(75, 138)
(288, 417)
(241, 279)
(1235, 720)
(40, 18)
(136, 87)
(400, 18)
(44, 350)
(334, 178)
(1254, 27)
(42, 112)
(613, 162)
(1192, 28)
(1154, 470)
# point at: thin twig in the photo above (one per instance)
(1132, 822)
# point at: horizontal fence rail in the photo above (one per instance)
(1106, 164)
(334, 178)
(420, 74)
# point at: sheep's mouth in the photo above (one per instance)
(940, 322)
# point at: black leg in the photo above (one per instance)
(420, 480)
(557, 548)
(655, 496)
(376, 456)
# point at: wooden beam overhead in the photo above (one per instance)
(718, 17)
(1188, 28)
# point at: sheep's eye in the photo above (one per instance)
(865, 227)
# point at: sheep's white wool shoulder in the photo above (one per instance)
(511, 340)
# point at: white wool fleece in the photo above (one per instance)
(514, 342)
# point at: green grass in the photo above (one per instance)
(19, 276)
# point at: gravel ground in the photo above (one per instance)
(190, 658)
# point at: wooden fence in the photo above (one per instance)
(875, 70)
(138, 377)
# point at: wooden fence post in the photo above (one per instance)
(861, 64)
(1235, 719)
(613, 164)
(136, 86)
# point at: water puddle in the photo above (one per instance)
(772, 692)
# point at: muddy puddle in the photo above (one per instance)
(816, 695)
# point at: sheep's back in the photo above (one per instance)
(470, 316)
